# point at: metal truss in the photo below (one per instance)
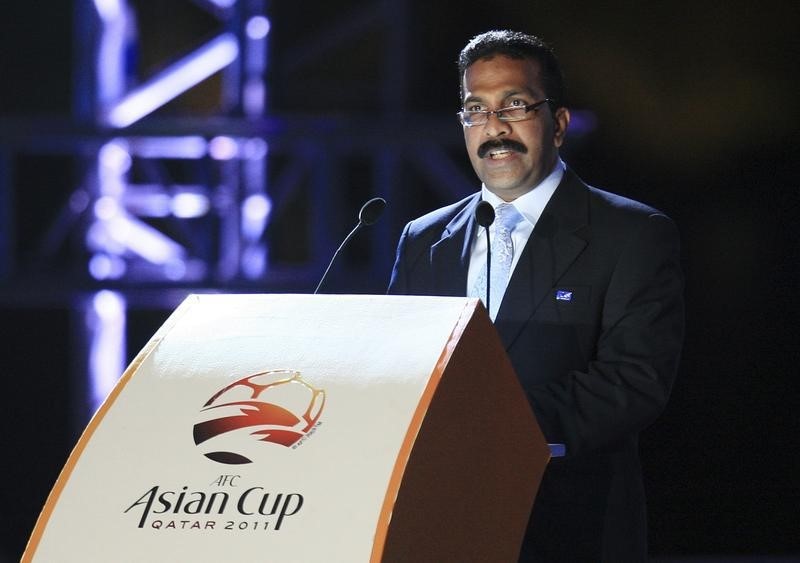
(242, 199)
(164, 205)
(152, 200)
(206, 201)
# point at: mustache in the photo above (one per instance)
(508, 144)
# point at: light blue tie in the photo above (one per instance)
(506, 219)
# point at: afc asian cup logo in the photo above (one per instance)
(275, 406)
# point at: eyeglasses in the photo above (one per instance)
(511, 113)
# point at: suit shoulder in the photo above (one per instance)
(437, 219)
(620, 206)
(620, 220)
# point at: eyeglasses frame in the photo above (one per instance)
(499, 113)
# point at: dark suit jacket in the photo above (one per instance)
(597, 368)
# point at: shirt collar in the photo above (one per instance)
(532, 203)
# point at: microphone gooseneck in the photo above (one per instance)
(484, 216)
(368, 215)
(371, 211)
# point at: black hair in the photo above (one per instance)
(517, 46)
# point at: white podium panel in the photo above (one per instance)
(267, 428)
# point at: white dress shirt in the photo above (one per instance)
(530, 205)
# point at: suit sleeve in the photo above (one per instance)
(398, 284)
(627, 383)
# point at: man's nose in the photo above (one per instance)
(494, 127)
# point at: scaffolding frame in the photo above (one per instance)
(143, 237)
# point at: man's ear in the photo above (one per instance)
(561, 120)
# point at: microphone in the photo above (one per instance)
(368, 215)
(484, 216)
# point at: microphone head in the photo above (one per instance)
(484, 214)
(371, 211)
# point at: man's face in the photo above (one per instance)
(511, 158)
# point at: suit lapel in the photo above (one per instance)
(552, 247)
(454, 248)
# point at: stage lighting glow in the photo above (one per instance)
(255, 210)
(223, 148)
(223, 4)
(258, 27)
(255, 149)
(195, 268)
(582, 122)
(122, 234)
(99, 238)
(188, 205)
(175, 270)
(108, 10)
(254, 262)
(256, 207)
(253, 97)
(106, 208)
(145, 201)
(79, 201)
(188, 147)
(142, 239)
(174, 80)
(115, 158)
(106, 267)
(106, 323)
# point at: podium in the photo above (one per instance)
(299, 428)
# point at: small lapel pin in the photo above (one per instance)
(562, 295)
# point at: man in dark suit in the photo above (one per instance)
(592, 317)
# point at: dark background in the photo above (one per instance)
(696, 112)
